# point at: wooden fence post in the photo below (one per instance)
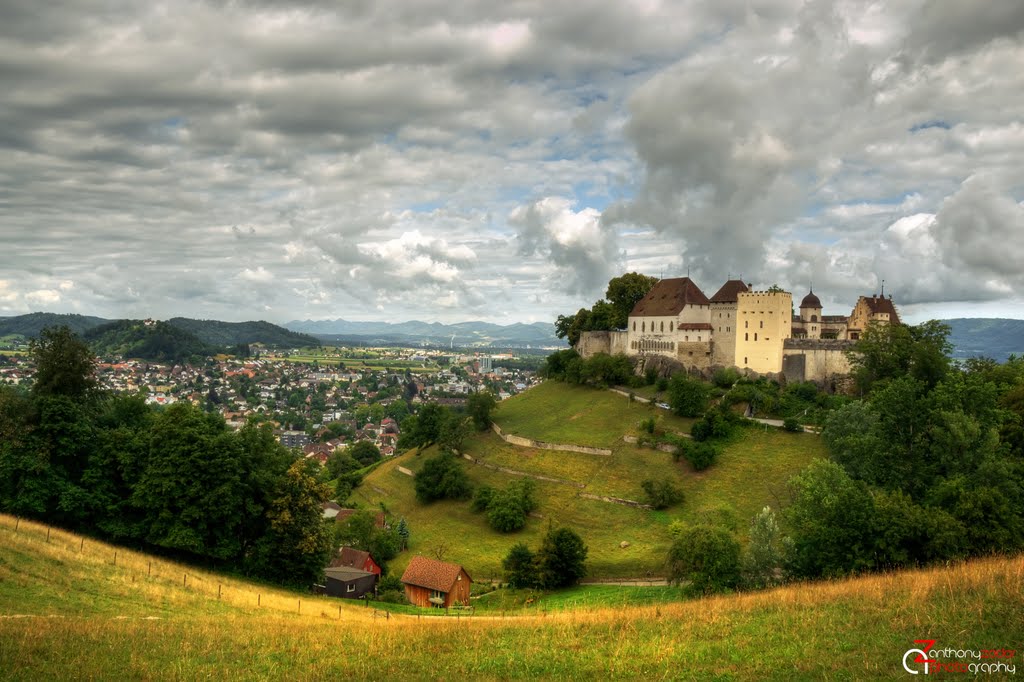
(17, 522)
(184, 578)
(258, 597)
(47, 533)
(81, 546)
(218, 590)
(149, 572)
(300, 606)
(115, 557)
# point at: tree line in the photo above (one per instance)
(175, 479)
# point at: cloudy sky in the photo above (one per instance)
(454, 160)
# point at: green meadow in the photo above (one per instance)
(751, 473)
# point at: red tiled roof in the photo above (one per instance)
(690, 326)
(431, 574)
(669, 297)
(728, 292)
(347, 556)
(880, 304)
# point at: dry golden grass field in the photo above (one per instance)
(67, 611)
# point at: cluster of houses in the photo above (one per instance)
(353, 573)
(239, 389)
(383, 435)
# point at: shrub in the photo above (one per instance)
(482, 498)
(792, 425)
(688, 397)
(661, 384)
(392, 596)
(442, 478)
(390, 583)
(762, 560)
(647, 425)
(716, 423)
(505, 512)
(561, 561)
(520, 567)
(507, 509)
(707, 557)
(700, 455)
(725, 377)
(479, 407)
(661, 494)
(364, 452)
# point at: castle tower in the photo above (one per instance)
(764, 321)
(810, 316)
(724, 322)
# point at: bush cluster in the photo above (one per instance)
(506, 509)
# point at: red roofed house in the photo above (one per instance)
(429, 582)
(355, 558)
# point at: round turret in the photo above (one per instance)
(810, 301)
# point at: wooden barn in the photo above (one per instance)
(429, 582)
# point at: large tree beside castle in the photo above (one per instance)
(610, 312)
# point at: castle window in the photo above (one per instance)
(744, 360)
(746, 337)
(728, 329)
(762, 324)
(746, 324)
(671, 325)
(687, 338)
(672, 346)
(643, 326)
(755, 336)
(663, 325)
(634, 325)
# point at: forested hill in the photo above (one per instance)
(30, 325)
(233, 333)
(994, 338)
(153, 341)
(213, 332)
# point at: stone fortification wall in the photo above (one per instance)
(818, 360)
(694, 355)
(592, 343)
(541, 445)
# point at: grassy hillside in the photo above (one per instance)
(751, 473)
(562, 413)
(66, 614)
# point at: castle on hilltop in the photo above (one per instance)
(743, 328)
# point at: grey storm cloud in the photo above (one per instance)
(475, 159)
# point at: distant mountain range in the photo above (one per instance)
(994, 338)
(415, 332)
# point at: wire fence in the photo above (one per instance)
(172, 581)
